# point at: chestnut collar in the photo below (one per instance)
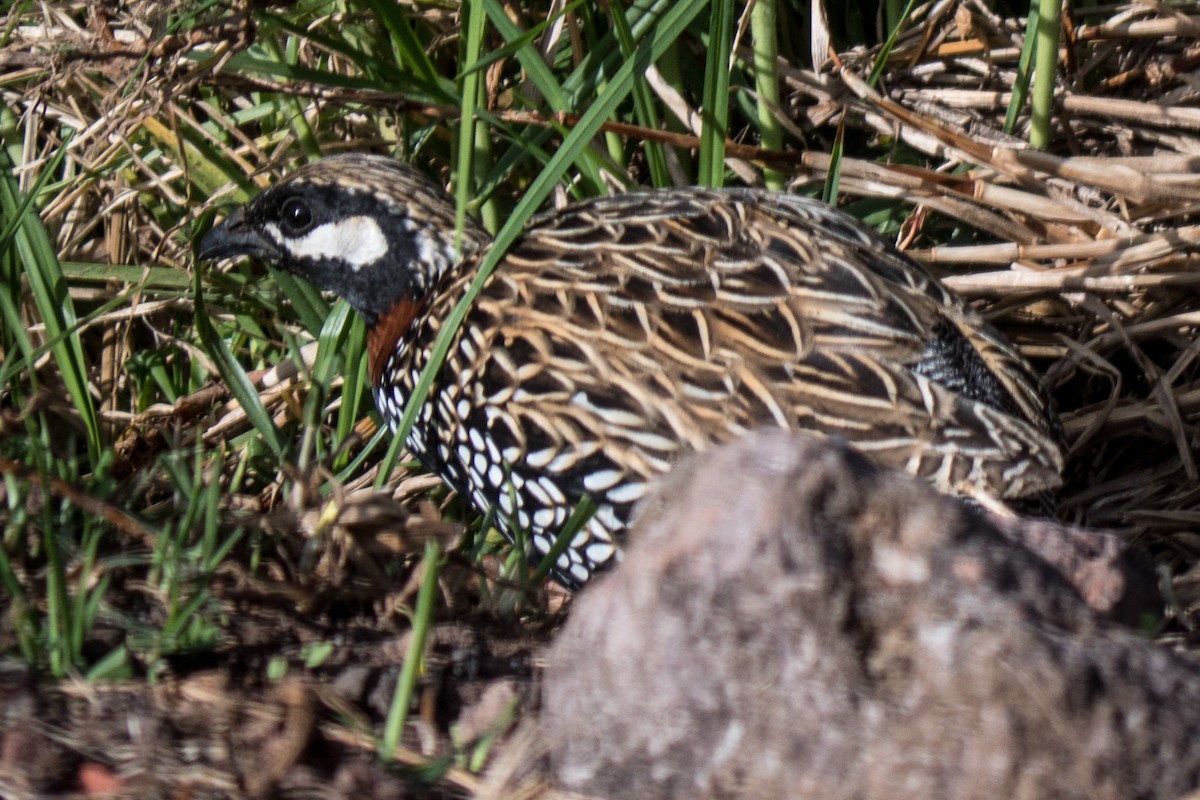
(391, 326)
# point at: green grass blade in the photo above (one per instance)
(763, 23)
(643, 102)
(48, 286)
(585, 81)
(21, 619)
(885, 52)
(1045, 71)
(29, 353)
(356, 384)
(408, 48)
(1021, 85)
(555, 95)
(413, 75)
(14, 326)
(895, 14)
(232, 373)
(58, 603)
(331, 345)
(715, 125)
(833, 175)
(145, 278)
(306, 299)
(464, 180)
(407, 682)
(392, 457)
(294, 109)
(17, 217)
(535, 68)
(582, 512)
(114, 666)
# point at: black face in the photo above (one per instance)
(369, 228)
(342, 239)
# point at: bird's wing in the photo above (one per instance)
(619, 332)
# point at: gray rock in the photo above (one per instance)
(792, 622)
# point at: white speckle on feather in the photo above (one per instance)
(599, 552)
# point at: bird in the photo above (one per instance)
(620, 332)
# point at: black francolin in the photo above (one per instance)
(619, 332)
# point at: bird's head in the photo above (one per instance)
(368, 228)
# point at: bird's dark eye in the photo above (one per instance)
(295, 216)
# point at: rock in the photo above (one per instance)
(1111, 577)
(791, 621)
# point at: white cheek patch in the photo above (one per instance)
(359, 241)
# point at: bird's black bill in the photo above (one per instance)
(233, 238)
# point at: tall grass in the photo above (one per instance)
(145, 473)
(102, 195)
